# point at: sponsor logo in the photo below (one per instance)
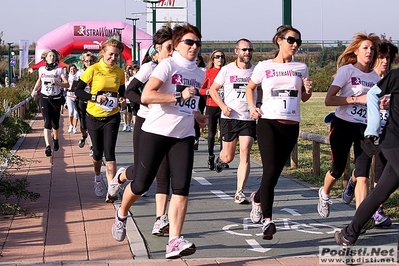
(100, 32)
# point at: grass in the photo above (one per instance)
(313, 113)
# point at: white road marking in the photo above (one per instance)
(221, 194)
(291, 211)
(202, 181)
(256, 246)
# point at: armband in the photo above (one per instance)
(178, 96)
(94, 97)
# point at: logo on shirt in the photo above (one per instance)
(271, 73)
(178, 79)
(357, 81)
(234, 79)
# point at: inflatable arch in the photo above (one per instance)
(89, 35)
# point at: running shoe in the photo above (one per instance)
(70, 128)
(323, 207)
(240, 198)
(256, 211)
(341, 240)
(75, 130)
(268, 228)
(82, 142)
(211, 162)
(219, 165)
(99, 186)
(368, 225)
(119, 227)
(128, 128)
(178, 247)
(48, 151)
(349, 192)
(110, 199)
(381, 219)
(91, 151)
(124, 127)
(56, 145)
(161, 226)
(114, 186)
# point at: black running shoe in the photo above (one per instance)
(48, 151)
(82, 142)
(219, 165)
(341, 240)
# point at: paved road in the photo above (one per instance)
(222, 229)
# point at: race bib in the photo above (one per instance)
(358, 112)
(384, 117)
(284, 101)
(240, 90)
(189, 106)
(110, 104)
(49, 88)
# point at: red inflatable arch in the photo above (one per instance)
(88, 36)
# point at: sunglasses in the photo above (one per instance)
(246, 49)
(292, 40)
(219, 56)
(190, 42)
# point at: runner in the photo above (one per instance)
(50, 82)
(106, 81)
(169, 131)
(235, 123)
(73, 78)
(285, 83)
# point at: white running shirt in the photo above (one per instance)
(143, 75)
(354, 82)
(174, 119)
(282, 88)
(234, 82)
(48, 78)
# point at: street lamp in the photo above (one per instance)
(154, 13)
(10, 76)
(134, 39)
(120, 39)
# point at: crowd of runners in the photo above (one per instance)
(168, 97)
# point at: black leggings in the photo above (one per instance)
(213, 121)
(81, 107)
(179, 154)
(387, 184)
(163, 180)
(103, 134)
(51, 112)
(275, 141)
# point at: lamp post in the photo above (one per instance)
(120, 39)
(154, 13)
(138, 52)
(134, 39)
(9, 61)
(287, 13)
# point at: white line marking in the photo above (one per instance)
(256, 247)
(221, 194)
(202, 181)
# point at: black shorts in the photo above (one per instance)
(230, 129)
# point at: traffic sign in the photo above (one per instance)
(13, 62)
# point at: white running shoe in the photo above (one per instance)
(114, 186)
(179, 247)
(74, 130)
(323, 207)
(161, 226)
(256, 211)
(70, 128)
(99, 187)
(124, 127)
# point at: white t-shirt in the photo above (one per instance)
(282, 88)
(354, 82)
(71, 79)
(174, 119)
(143, 75)
(48, 78)
(234, 81)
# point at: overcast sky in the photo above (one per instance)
(221, 19)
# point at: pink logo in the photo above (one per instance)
(270, 73)
(177, 79)
(356, 81)
(233, 79)
(167, 3)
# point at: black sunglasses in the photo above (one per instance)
(246, 49)
(219, 56)
(292, 40)
(191, 42)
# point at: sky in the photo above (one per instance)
(224, 20)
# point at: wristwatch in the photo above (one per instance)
(178, 96)
(94, 97)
